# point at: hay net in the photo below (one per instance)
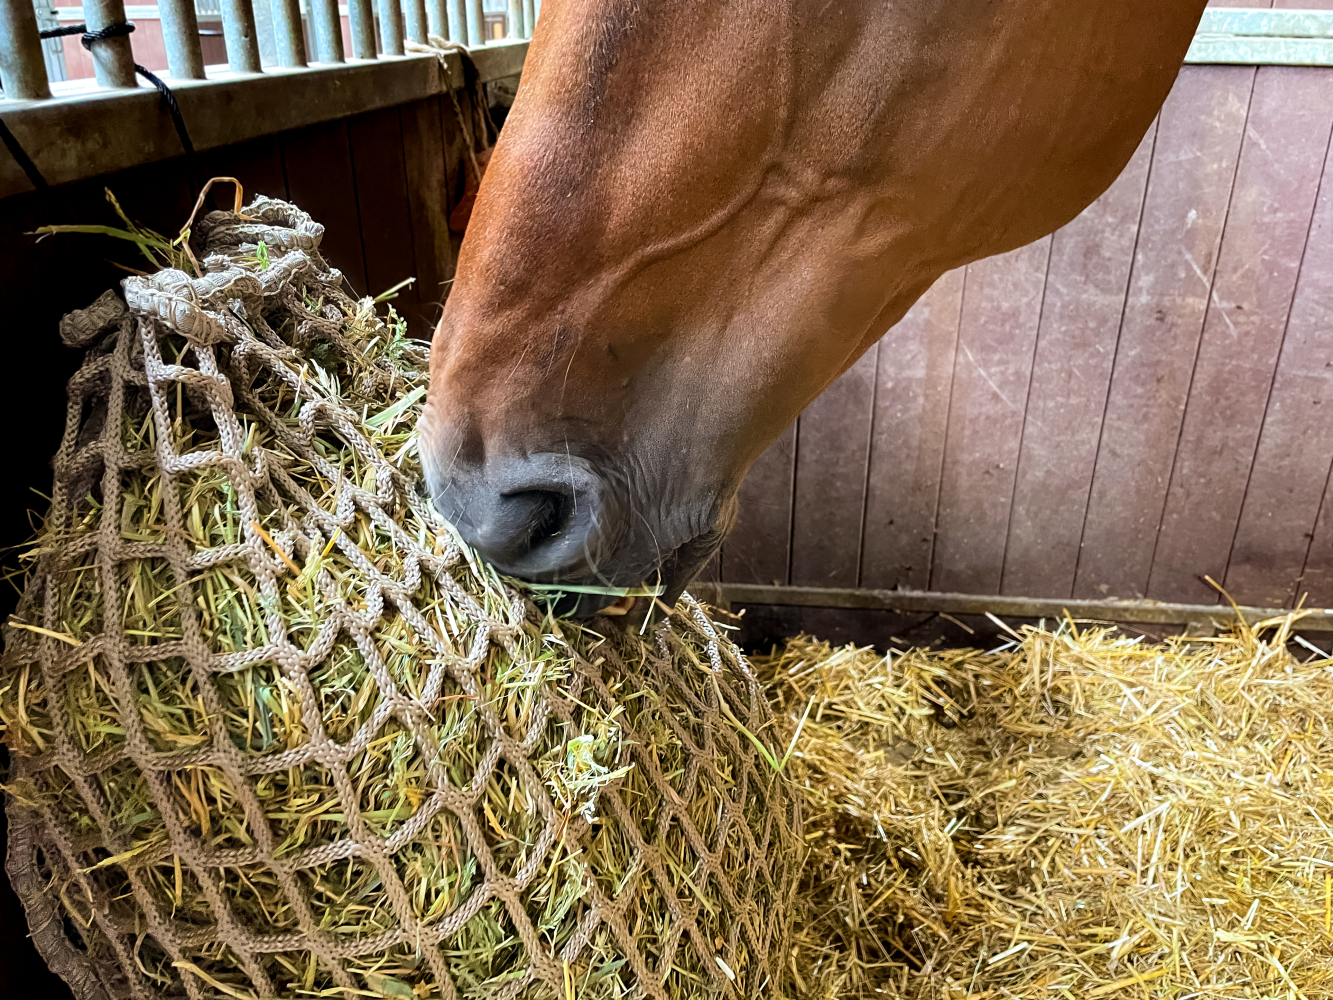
(276, 733)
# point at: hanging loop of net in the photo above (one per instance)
(277, 734)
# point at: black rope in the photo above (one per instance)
(117, 30)
(173, 109)
(69, 29)
(110, 31)
(21, 157)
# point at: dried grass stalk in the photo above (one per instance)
(1077, 814)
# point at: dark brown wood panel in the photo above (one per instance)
(257, 164)
(427, 190)
(321, 182)
(1295, 450)
(914, 374)
(1291, 113)
(385, 210)
(758, 550)
(831, 464)
(456, 160)
(992, 370)
(1198, 144)
(1080, 320)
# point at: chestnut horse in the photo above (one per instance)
(699, 214)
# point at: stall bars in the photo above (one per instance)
(24, 77)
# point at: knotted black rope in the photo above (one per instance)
(117, 30)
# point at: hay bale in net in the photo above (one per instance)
(1078, 814)
(275, 734)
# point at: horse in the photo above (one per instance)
(698, 215)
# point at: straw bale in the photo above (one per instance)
(1076, 814)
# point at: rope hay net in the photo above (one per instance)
(276, 733)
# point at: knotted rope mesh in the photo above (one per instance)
(276, 733)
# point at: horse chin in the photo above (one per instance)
(674, 575)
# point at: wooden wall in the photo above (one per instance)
(1139, 400)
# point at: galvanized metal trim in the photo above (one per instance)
(238, 27)
(1258, 37)
(180, 34)
(930, 602)
(326, 31)
(113, 61)
(99, 131)
(22, 66)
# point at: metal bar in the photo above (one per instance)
(417, 20)
(476, 23)
(327, 30)
(22, 66)
(268, 46)
(514, 19)
(287, 33)
(529, 17)
(437, 20)
(238, 27)
(113, 59)
(931, 602)
(457, 21)
(1240, 50)
(362, 22)
(1267, 23)
(391, 27)
(180, 33)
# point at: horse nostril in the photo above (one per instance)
(548, 514)
(538, 518)
(515, 524)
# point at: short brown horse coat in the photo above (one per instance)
(700, 214)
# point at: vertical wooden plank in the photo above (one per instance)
(386, 212)
(1085, 300)
(1189, 188)
(829, 497)
(257, 164)
(1316, 582)
(1296, 447)
(427, 191)
(758, 550)
(321, 182)
(996, 338)
(916, 363)
(1277, 180)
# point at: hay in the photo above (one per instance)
(1078, 815)
(277, 734)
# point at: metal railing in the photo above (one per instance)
(378, 29)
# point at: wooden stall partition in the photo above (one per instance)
(1119, 411)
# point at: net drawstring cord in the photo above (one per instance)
(87, 38)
